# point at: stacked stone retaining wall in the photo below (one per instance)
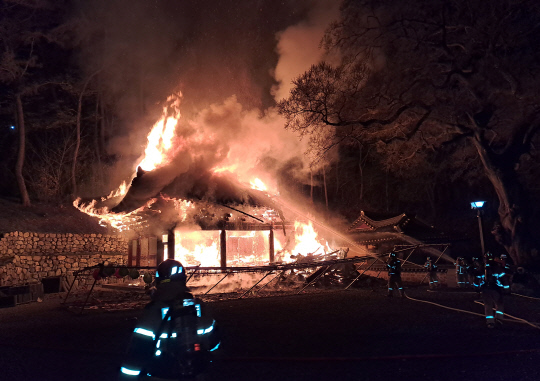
(27, 257)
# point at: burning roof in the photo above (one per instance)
(193, 179)
(195, 185)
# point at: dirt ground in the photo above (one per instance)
(335, 335)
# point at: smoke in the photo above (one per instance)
(299, 46)
(231, 60)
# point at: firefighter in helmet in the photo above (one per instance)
(507, 276)
(394, 275)
(433, 275)
(476, 273)
(462, 273)
(492, 290)
(172, 328)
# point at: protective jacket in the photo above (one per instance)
(394, 276)
(394, 266)
(462, 273)
(433, 275)
(172, 338)
(492, 290)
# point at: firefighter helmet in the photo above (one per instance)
(170, 269)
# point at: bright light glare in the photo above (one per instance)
(477, 204)
(130, 371)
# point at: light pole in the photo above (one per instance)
(478, 206)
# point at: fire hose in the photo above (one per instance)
(516, 319)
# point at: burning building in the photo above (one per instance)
(196, 198)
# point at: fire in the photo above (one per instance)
(183, 207)
(159, 150)
(225, 168)
(307, 241)
(120, 221)
(197, 248)
(258, 184)
(203, 248)
(121, 191)
(245, 248)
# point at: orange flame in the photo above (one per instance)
(119, 221)
(202, 247)
(197, 248)
(159, 150)
(307, 241)
(121, 191)
(258, 184)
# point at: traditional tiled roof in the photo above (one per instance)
(404, 224)
(365, 223)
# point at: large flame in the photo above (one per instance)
(121, 221)
(159, 150)
(203, 247)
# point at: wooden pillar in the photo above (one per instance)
(170, 244)
(223, 246)
(130, 253)
(161, 245)
(144, 250)
(153, 251)
(138, 254)
(271, 244)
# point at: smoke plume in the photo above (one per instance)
(229, 59)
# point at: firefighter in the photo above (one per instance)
(462, 273)
(507, 276)
(433, 275)
(476, 274)
(492, 290)
(394, 275)
(173, 337)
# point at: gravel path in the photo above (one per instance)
(340, 335)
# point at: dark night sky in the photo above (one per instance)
(210, 51)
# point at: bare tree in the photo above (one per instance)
(425, 80)
(49, 162)
(78, 135)
(18, 57)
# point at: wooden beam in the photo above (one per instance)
(271, 242)
(223, 246)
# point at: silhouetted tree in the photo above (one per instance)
(27, 63)
(431, 81)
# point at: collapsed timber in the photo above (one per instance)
(281, 279)
(278, 279)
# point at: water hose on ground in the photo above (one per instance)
(516, 319)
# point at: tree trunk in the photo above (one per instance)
(78, 137)
(97, 122)
(77, 146)
(311, 186)
(361, 169)
(97, 170)
(512, 232)
(22, 153)
(336, 193)
(325, 188)
(387, 197)
(102, 127)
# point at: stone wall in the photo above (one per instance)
(29, 257)
(25, 243)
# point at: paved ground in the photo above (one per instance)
(341, 335)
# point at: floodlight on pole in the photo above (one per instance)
(478, 206)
